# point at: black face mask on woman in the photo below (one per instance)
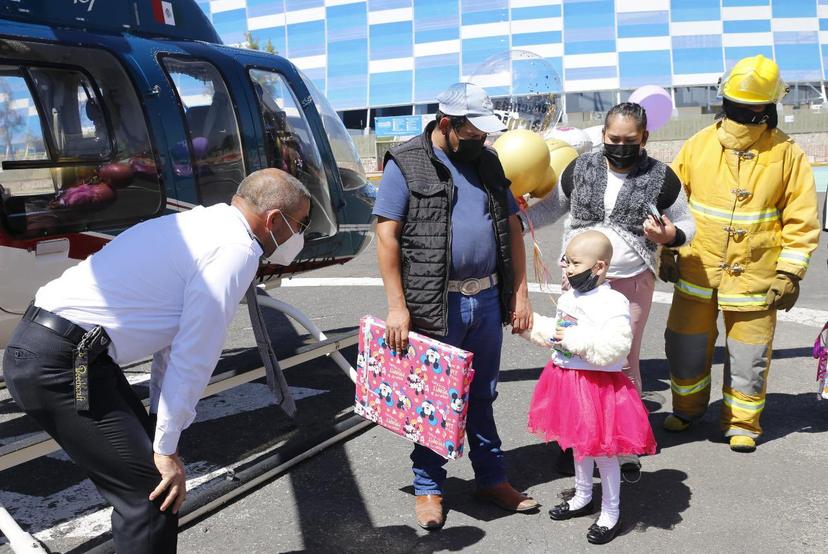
(584, 281)
(621, 156)
(468, 150)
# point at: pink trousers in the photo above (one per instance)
(639, 291)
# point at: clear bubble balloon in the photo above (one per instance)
(524, 87)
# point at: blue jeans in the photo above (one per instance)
(474, 324)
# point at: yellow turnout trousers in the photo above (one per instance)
(689, 342)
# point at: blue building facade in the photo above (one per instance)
(378, 53)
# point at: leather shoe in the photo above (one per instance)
(429, 511)
(563, 511)
(504, 495)
(603, 535)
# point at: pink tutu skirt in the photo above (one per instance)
(596, 413)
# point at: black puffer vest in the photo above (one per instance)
(426, 233)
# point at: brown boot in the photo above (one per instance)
(429, 511)
(504, 495)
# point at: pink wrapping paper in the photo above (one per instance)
(421, 395)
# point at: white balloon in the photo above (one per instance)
(596, 135)
(576, 138)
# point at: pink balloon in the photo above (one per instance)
(657, 102)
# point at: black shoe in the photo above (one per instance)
(562, 511)
(565, 463)
(603, 535)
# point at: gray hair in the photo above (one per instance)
(273, 189)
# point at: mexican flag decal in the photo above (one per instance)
(163, 12)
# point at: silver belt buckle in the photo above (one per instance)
(470, 287)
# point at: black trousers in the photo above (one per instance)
(112, 442)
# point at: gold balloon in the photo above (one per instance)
(561, 154)
(525, 160)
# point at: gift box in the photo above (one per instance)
(420, 394)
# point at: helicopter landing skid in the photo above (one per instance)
(267, 301)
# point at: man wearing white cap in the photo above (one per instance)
(451, 256)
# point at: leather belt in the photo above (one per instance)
(55, 323)
(470, 287)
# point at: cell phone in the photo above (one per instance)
(655, 214)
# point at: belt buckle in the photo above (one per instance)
(470, 287)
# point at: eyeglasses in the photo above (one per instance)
(303, 225)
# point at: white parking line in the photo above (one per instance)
(803, 316)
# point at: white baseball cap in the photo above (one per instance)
(471, 101)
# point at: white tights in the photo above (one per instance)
(610, 471)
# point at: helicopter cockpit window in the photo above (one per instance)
(75, 150)
(290, 146)
(73, 114)
(342, 145)
(212, 128)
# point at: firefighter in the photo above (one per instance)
(752, 194)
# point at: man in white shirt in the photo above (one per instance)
(167, 287)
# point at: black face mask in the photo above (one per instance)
(584, 281)
(746, 116)
(621, 156)
(468, 151)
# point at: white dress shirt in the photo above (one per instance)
(167, 287)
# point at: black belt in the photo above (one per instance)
(88, 345)
(55, 323)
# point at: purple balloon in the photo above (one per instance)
(199, 146)
(657, 102)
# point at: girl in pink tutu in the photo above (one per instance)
(583, 400)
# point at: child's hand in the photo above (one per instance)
(559, 333)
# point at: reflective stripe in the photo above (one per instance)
(694, 290)
(794, 257)
(690, 389)
(747, 405)
(742, 299)
(726, 216)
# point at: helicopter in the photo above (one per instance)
(115, 112)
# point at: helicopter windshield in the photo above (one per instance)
(345, 153)
(290, 146)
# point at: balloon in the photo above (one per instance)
(657, 102)
(596, 135)
(84, 194)
(576, 138)
(524, 89)
(116, 174)
(561, 155)
(525, 161)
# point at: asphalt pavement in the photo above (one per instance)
(693, 495)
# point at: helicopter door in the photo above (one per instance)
(290, 146)
(74, 147)
(211, 125)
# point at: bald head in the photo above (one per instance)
(590, 244)
(274, 189)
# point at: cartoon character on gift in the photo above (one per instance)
(416, 379)
(431, 359)
(386, 393)
(428, 411)
(453, 452)
(458, 401)
(413, 430)
(403, 402)
(374, 366)
(361, 360)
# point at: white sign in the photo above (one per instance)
(169, 16)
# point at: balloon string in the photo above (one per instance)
(542, 273)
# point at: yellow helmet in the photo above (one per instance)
(753, 80)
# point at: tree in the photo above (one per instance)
(269, 48)
(251, 41)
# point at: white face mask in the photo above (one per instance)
(286, 252)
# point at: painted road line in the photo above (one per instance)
(803, 316)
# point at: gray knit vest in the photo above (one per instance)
(641, 187)
(425, 242)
